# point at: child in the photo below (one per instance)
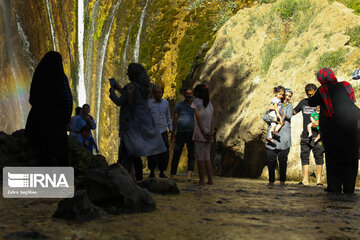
(275, 114)
(88, 141)
(314, 117)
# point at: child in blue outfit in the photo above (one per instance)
(85, 138)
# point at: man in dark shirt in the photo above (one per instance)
(183, 124)
(307, 144)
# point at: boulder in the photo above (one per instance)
(79, 208)
(160, 185)
(113, 189)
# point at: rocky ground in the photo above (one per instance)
(231, 209)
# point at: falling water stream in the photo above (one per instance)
(89, 48)
(51, 24)
(123, 78)
(81, 90)
(25, 45)
(137, 43)
(101, 66)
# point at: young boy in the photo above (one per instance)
(275, 114)
(88, 141)
(314, 117)
(307, 145)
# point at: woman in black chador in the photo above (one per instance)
(339, 131)
(51, 107)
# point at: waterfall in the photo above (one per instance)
(51, 24)
(25, 45)
(14, 66)
(101, 66)
(123, 77)
(89, 48)
(137, 43)
(81, 91)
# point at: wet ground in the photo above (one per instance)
(231, 209)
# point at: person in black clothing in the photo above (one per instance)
(50, 92)
(307, 144)
(338, 123)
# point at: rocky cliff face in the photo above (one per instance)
(283, 43)
(97, 40)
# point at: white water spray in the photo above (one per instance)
(123, 78)
(51, 24)
(81, 90)
(25, 45)
(89, 49)
(137, 43)
(101, 66)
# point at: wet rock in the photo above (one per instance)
(79, 208)
(160, 185)
(26, 235)
(113, 189)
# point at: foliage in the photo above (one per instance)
(224, 13)
(354, 34)
(228, 52)
(331, 59)
(194, 4)
(305, 52)
(251, 30)
(267, 1)
(353, 4)
(287, 9)
(357, 61)
(272, 49)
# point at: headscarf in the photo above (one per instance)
(137, 73)
(286, 103)
(326, 77)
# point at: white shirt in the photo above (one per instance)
(161, 114)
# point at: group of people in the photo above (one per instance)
(145, 122)
(330, 126)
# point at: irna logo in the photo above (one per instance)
(35, 180)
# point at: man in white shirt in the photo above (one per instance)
(160, 111)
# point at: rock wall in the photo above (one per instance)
(171, 36)
(283, 43)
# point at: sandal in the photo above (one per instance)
(271, 143)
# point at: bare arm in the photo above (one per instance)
(197, 116)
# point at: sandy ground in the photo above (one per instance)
(231, 209)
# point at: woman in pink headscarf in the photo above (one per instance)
(339, 131)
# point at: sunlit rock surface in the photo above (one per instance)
(258, 49)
